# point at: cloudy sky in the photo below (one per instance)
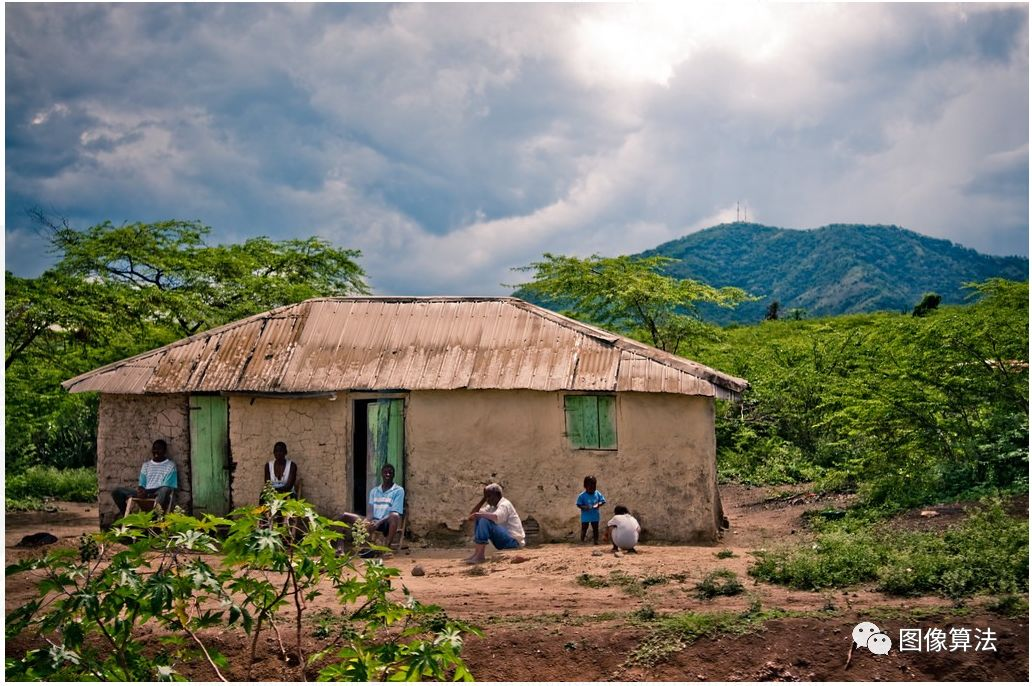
(452, 142)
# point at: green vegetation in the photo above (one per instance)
(629, 294)
(905, 410)
(26, 490)
(987, 553)
(120, 290)
(94, 606)
(672, 633)
(724, 554)
(718, 582)
(833, 270)
(1009, 605)
(629, 584)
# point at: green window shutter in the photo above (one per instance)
(591, 421)
(607, 422)
(581, 421)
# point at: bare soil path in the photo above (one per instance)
(542, 624)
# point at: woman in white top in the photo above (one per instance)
(280, 472)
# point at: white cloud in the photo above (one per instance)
(452, 142)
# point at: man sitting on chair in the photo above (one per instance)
(158, 480)
(385, 507)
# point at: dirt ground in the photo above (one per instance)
(540, 624)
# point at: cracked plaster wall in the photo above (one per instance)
(316, 431)
(128, 426)
(664, 468)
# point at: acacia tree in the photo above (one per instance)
(119, 290)
(193, 286)
(629, 294)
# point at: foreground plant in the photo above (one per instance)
(174, 578)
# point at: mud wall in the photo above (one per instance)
(664, 468)
(317, 433)
(128, 426)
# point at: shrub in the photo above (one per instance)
(36, 483)
(150, 576)
(718, 582)
(988, 552)
(834, 559)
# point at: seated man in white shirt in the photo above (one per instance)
(158, 480)
(496, 522)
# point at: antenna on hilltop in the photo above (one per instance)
(746, 218)
(738, 211)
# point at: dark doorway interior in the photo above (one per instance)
(360, 448)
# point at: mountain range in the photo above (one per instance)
(835, 269)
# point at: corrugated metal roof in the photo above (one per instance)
(378, 343)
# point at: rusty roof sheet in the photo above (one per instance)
(381, 343)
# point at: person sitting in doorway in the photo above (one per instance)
(281, 473)
(495, 520)
(159, 480)
(385, 507)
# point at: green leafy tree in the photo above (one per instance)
(195, 286)
(629, 294)
(906, 410)
(119, 290)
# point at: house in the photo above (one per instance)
(455, 392)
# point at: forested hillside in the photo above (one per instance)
(836, 269)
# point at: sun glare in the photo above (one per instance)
(646, 42)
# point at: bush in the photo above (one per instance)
(988, 552)
(718, 582)
(834, 559)
(36, 483)
(905, 410)
(102, 612)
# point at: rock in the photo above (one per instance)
(418, 570)
(518, 559)
(37, 539)
(597, 553)
(929, 513)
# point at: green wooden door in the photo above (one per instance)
(385, 440)
(209, 454)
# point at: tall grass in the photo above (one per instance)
(28, 489)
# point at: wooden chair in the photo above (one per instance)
(136, 504)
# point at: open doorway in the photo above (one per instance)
(378, 438)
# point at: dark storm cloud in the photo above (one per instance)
(451, 142)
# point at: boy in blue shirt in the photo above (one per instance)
(589, 501)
